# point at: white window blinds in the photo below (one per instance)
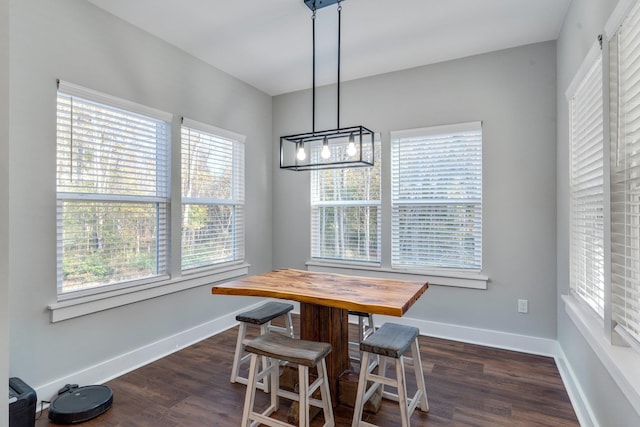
(345, 212)
(436, 197)
(112, 189)
(586, 190)
(625, 174)
(212, 195)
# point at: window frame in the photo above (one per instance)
(582, 254)
(623, 264)
(237, 200)
(400, 199)
(161, 199)
(620, 358)
(103, 298)
(317, 180)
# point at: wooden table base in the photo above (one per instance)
(328, 324)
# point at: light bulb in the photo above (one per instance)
(301, 154)
(325, 153)
(351, 148)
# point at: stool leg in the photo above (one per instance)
(371, 328)
(239, 350)
(264, 329)
(250, 393)
(362, 387)
(289, 325)
(402, 392)
(382, 370)
(360, 336)
(303, 404)
(274, 365)
(417, 367)
(365, 334)
(360, 328)
(325, 394)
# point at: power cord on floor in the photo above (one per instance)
(42, 403)
(65, 389)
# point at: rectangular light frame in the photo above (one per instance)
(337, 138)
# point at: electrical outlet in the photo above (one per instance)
(523, 306)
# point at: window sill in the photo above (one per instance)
(622, 363)
(458, 279)
(76, 307)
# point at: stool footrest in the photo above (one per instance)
(382, 380)
(296, 398)
(264, 419)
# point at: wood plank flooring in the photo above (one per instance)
(467, 385)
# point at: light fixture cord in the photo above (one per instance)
(339, 34)
(313, 93)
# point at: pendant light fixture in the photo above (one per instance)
(326, 149)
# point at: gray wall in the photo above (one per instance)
(77, 42)
(514, 93)
(584, 21)
(4, 201)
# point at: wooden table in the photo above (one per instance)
(325, 300)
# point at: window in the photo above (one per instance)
(112, 190)
(625, 176)
(587, 185)
(436, 197)
(345, 212)
(613, 290)
(212, 195)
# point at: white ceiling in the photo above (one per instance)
(267, 43)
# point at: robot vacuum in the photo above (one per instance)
(78, 404)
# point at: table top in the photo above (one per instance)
(366, 294)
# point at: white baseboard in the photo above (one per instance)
(117, 366)
(496, 339)
(127, 362)
(583, 410)
(509, 341)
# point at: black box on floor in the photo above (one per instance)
(22, 406)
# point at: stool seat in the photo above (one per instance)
(391, 340)
(265, 313)
(299, 352)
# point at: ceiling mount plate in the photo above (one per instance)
(319, 4)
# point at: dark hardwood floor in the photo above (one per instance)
(467, 385)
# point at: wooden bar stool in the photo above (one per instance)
(364, 329)
(390, 342)
(261, 316)
(306, 354)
